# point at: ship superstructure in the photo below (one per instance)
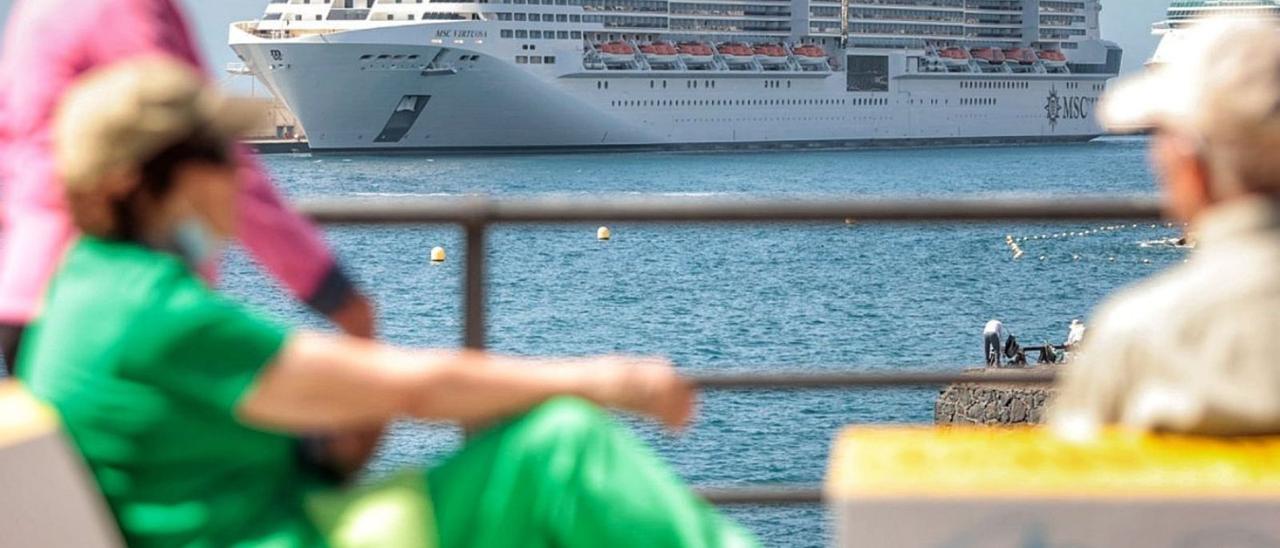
(1185, 12)
(402, 75)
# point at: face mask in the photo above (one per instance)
(196, 243)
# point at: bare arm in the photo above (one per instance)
(323, 383)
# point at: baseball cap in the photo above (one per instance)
(1217, 79)
(126, 113)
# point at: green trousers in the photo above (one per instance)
(564, 475)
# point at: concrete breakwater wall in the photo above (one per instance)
(992, 404)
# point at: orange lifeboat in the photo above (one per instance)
(660, 52)
(1021, 56)
(770, 54)
(695, 53)
(954, 57)
(736, 53)
(810, 54)
(988, 55)
(1053, 58)
(617, 52)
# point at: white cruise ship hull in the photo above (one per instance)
(469, 94)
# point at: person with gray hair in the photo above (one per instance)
(1192, 350)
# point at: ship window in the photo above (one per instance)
(535, 34)
(413, 56)
(562, 18)
(575, 18)
(384, 56)
(535, 60)
(550, 59)
(575, 34)
(522, 34)
(506, 33)
(867, 73)
(521, 17)
(504, 16)
(562, 34)
(522, 59)
(366, 57)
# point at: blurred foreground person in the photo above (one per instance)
(48, 44)
(185, 405)
(1194, 349)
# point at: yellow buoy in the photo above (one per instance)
(437, 255)
(603, 233)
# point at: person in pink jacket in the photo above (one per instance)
(48, 45)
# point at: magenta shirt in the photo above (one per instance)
(47, 45)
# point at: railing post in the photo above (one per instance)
(473, 335)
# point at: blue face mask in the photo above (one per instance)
(196, 243)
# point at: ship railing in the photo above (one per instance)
(477, 215)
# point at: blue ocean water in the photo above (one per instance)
(743, 297)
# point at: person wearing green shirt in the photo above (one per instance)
(186, 406)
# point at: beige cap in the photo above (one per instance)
(124, 114)
(1217, 80)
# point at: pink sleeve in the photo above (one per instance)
(286, 244)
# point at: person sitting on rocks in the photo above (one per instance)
(186, 406)
(1191, 350)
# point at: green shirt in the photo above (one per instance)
(146, 365)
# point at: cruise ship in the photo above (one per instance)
(1183, 12)
(535, 75)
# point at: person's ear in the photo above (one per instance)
(1185, 175)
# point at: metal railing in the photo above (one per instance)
(476, 215)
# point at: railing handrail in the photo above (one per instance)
(729, 380)
(476, 213)
(471, 210)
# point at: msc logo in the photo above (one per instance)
(1067, 108)
(277, 55)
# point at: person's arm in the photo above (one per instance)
(292, 250)
(320, 382)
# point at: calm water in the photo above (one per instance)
(741, 297)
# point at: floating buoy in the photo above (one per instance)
(1017, 254)
(437, 255)
(851, 221)
(603, 233)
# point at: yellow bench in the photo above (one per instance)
(47, 497)
(971, 487)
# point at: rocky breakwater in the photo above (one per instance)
(993, 404)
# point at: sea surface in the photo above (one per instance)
(751, 297)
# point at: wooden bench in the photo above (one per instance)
(1022, 487)
(47, 497)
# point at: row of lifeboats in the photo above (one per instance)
(955, 56)
(700, 53)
